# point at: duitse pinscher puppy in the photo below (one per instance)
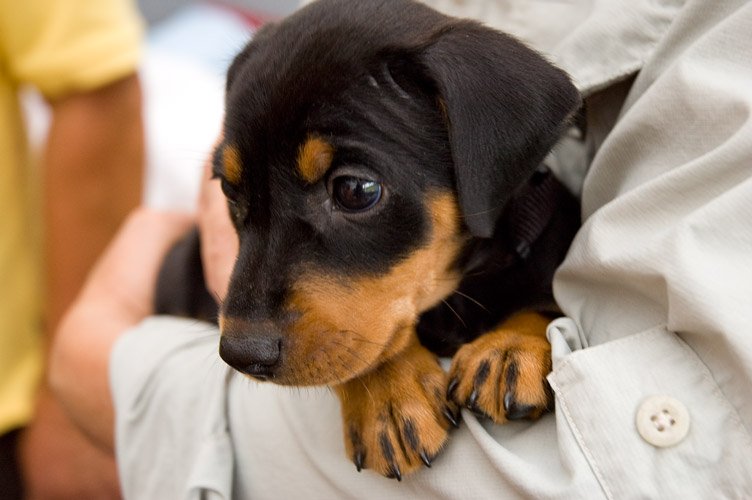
(382, 167)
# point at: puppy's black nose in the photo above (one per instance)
(256, 353)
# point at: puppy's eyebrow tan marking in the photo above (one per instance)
(231, 164)
(314, 158)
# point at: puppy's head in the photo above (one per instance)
(365, 142)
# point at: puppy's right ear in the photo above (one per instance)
(506, 106)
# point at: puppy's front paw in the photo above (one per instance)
(395, 418)
(502, 374)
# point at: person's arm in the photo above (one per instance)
(93, 168)
(117, 295)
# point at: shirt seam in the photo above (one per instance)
(581, 441)
(716, 390)
(568, 360)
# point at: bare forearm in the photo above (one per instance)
(93, 169)
(118, 295)
(80, 379)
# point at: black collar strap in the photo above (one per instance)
(531, 210)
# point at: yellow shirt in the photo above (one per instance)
(57, 46)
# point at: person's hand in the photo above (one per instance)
(118, 294)
(219, 241)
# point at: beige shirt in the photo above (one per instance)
(653, 363)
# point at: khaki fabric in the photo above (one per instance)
(656, 291)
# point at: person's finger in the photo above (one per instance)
(219, 242)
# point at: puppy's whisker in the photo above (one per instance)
(219, 302)
(476, 274)
(455, 312)
(213, 358)
(318, 374)
(362, 338)
(356, 376)
(476, 214)
(347, 365)
(332, 369)
(366, 341)
(472, 300)
(366, 388)
(350, 352)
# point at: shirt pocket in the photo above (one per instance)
(651, 420)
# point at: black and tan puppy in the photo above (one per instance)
(381, 163)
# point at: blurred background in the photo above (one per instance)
(188, 48)
(157, 10)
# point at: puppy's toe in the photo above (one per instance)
(502, 375)
(395, 418)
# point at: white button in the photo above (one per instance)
(662, 421)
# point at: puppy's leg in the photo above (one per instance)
(395, 418)
(502, 374)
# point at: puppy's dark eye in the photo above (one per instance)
(229, 190)
(354, 194)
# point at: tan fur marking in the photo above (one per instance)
(231, 164)
(520, 340)
(314, 158)
(347, 328)
(409, 387)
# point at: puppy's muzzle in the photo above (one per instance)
(253, 349)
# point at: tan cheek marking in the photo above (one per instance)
(375, 317)
(231, 163)
(314, 158)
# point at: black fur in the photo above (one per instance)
(419, 102)
(181, 289)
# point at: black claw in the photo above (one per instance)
(452, 387)
(451, 417)
(472, 400)
(358, 448)
(508, 400)
(394, 473)
(515, 411)
(425, 458)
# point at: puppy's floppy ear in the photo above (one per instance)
(506, 107)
